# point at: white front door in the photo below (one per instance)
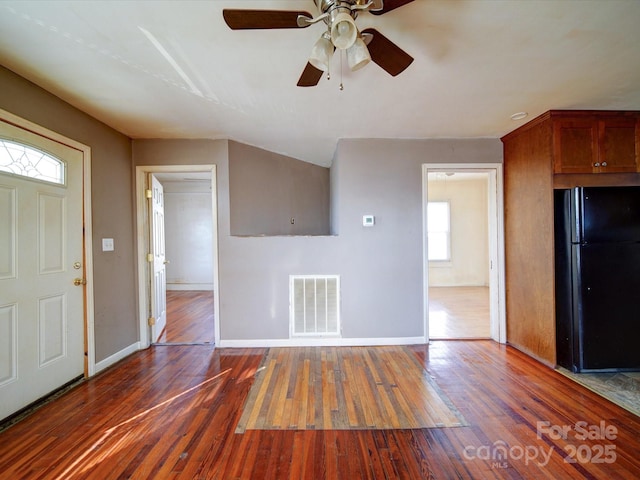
(41, 255)
(158, 270)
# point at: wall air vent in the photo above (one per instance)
(314, 305)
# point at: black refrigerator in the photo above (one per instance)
(597, 270)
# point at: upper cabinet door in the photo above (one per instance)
(618, 144)
(575, 145)
(596, 144)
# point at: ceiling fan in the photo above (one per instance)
(341, 33)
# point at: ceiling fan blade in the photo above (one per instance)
(262, 19)
(387, 54)
(389, 5)
(310, 76)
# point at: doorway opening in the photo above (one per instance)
(463, 256)
(178, 271)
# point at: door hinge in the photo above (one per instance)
(151, 321)
(148, 193)
(149, 257)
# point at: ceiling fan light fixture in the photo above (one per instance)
(358, 55)
(343, 31)
(321, 53)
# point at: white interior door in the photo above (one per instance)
(158, 263)
(41, 255)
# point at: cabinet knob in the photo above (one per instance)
(597, 164)
(604, 164)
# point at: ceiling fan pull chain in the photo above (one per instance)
(341, 86)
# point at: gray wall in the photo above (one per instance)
(380, 267)
(382, 277)
(116, 326)
(269, 191)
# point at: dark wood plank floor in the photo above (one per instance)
(170, 412)
(189, 317)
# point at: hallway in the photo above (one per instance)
(189, 317)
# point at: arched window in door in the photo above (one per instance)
(30, 162)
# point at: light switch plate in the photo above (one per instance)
(368, 220)
(107, 245)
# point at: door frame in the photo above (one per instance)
(87, 238)
(495, 199)
(143, 233)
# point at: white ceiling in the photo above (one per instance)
(476, 63)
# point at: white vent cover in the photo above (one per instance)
(315, 305)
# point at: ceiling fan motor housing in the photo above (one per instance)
(333, 7)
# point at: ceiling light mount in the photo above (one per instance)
(519, 116)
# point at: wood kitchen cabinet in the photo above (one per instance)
(559, 149)
(595, 143)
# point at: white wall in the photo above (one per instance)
(188, 235)
(469, 213)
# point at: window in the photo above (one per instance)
(438, 231)
(28, 162)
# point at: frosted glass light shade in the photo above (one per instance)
(321, 54)
(358, 55)
(343, 31)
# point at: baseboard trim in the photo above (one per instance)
(116, 357)
(320, 342)
(533, 355)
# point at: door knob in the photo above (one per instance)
(79, 281)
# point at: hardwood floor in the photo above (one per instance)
(339, 388)
(170, 412)
(189, 317)
(459, 312)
